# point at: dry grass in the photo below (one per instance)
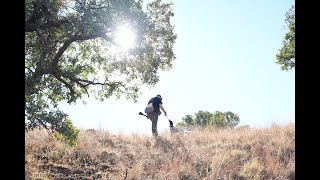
(243, 153)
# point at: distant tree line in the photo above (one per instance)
(204, 119)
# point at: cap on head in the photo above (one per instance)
(159, 96)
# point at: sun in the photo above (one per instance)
(125, 38)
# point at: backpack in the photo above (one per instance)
(149, 109)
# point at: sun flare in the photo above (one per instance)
(125, 38)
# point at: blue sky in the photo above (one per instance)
(225, 61)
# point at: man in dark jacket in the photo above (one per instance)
(157, 104)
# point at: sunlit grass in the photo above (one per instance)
(239, 153)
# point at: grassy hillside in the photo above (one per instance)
(243, 153)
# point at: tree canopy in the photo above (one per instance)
(71, 52)
(286, 54)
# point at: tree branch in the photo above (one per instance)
(28, 69)
(32, 26)
(73, 39)
(88, 82)
(43, 41)
(35, 78)
(74, 80)
(68, 86)
(58, 74)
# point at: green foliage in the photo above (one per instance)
(39, 115)
(286, 55)
(71, 52)
(205, 118)
(181, 125)
(219, 119)
(188, 119)
(67, 133)
(232, 119)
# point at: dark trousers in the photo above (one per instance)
(154, 119)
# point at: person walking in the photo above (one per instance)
(157, 104)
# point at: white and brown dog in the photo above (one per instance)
(174, 130)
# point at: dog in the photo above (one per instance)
(174, 130)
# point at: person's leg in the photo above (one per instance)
(154, 119)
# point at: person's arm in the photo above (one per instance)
(164, 111)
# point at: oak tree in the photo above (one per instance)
(72, 51)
